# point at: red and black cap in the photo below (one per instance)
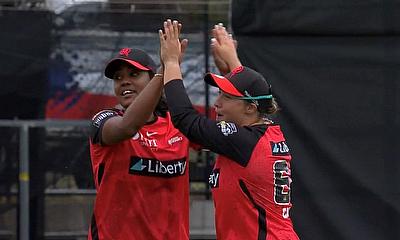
(135, 57)
(244, 83)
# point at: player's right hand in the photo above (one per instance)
(223, 48)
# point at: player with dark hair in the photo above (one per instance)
(251, 177)
(139, 160)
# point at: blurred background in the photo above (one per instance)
(334, 67)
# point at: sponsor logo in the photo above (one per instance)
(145, 141)
(154, 167)
(175, 140)
(279, 148)
(227, 128)
(213, 180)
(149, 134)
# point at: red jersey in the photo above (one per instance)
(142, 183)
(253, 202)
(251, 180)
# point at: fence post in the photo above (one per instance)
(24, 182)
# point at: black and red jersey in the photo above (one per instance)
(142, 183)
(251, 178)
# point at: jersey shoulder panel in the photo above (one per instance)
(98, 121)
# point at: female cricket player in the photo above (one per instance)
(139, 159)
(251, 178)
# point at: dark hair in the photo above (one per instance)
(267, 107)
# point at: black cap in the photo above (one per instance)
(134, 57)
(242, 82)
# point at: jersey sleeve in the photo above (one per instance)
(225, 138)
(98, 121)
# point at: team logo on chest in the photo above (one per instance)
(146, 139)
(213, 180)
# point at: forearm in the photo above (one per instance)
(206, 132)
(141, 109)
(172, 71)
(181, 109)
(135, 116)
(225, 67)
(186, 119)
(233, 62)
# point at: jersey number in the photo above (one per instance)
(282, 182)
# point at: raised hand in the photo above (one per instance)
(184, 44)
(170, 46)
(171, 50)
(219, 62)
(223, 48)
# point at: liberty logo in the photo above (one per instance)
(154, 167)
(125, 52)
(279, 148)
(213, 180)
(138, 166)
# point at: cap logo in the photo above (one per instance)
(125, 52)
(236, 71)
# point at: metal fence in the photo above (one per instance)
(24, 174)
